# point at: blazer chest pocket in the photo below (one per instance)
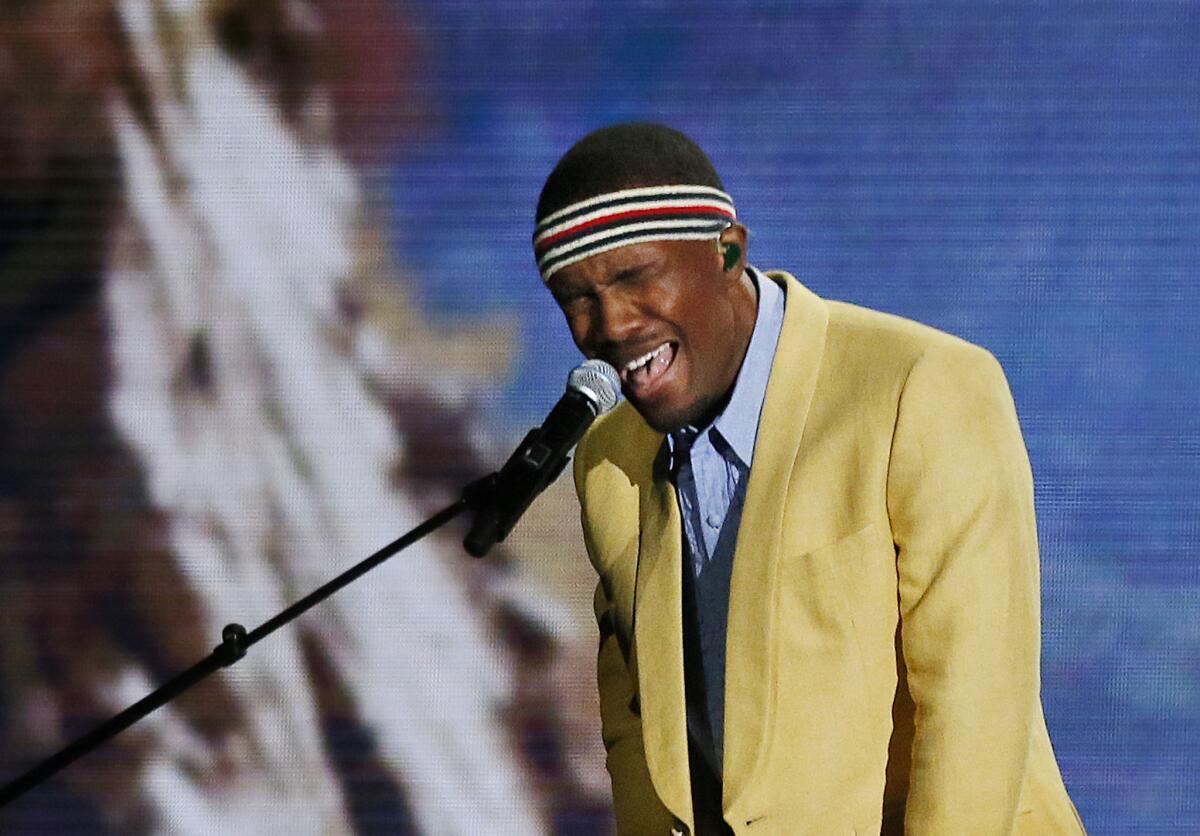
(844, 592)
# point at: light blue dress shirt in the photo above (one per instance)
(711, 466)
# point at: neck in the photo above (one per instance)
(745, 304)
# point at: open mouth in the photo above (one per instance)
(643, 374)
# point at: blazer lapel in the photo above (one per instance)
(658, 613)
(750, 666)
(658, 635)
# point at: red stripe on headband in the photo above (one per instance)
(632, 213)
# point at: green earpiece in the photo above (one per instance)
(731, 254)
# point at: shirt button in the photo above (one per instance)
(713, 521)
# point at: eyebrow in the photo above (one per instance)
(566, 294)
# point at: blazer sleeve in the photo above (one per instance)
(960, 497)
(635, 803)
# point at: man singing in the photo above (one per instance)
(813, 525)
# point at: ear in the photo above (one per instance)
(731, 249)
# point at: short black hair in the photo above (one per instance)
(623, 156)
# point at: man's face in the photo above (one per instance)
(668, 317)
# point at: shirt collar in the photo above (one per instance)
(737, 424)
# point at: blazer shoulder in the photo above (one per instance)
(885, 341)
(617, 450)
(613, 461)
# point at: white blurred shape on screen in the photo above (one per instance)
(274, 473)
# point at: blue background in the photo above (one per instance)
(1026, 176)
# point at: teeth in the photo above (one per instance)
(633, 365)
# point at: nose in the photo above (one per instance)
(615, 320)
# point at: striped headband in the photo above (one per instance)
(629, 216)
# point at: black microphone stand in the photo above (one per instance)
(236, 640)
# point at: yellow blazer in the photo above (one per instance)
(883, 638)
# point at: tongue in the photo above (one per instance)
(653, 368)
(659, 364)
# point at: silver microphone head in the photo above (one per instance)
(598, 382)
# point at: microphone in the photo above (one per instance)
(500, 499)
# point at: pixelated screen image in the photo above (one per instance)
(267, 300)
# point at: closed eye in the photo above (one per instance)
(567, 300)
(630, 275)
